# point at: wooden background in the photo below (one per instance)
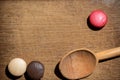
(45, 30)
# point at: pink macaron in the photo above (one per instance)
(98, 19)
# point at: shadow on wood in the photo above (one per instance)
(58, 73)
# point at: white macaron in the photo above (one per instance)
(17, 66)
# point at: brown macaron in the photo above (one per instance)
(35, 70)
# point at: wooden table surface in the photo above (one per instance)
(45, 30)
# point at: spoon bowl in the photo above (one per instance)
(79, 63)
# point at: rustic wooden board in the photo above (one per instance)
(45, 30)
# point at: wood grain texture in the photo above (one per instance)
(45, 30)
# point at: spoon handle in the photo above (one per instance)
(107, 54)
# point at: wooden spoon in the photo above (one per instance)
(80, 63)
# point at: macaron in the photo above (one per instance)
(35, 70)
(17, 66)
(98, 19)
